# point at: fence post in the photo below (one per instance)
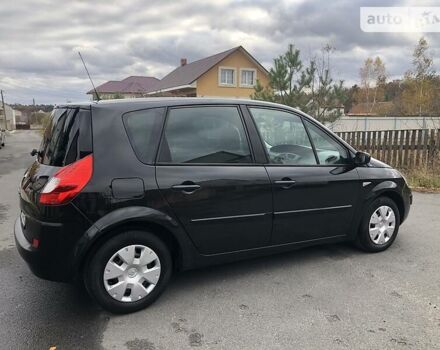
(425, 147)
(384, 144)
(437, 150)
(431, 149)
(395, 146)
(390, 146)
(401, 136)
(418, 149)
(406, 156)
(413, 146)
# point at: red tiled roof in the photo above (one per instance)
(133, 84)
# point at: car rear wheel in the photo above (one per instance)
(379, 226)
(128, 272)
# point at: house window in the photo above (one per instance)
(226, 76)
(247, 77)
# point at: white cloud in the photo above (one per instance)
(39, 40)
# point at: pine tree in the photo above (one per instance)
(309, 88)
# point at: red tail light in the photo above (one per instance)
(67, 182)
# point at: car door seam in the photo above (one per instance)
(312, 209)
(229, 217)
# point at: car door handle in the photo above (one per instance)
(285, 182)
(187, 187)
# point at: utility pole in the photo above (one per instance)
(32, 118)
(4, 108)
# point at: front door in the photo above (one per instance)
(207, 174)
(315, 186)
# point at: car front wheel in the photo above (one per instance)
(128, 272)
(379, 226)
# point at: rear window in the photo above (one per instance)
(67, 137)
(143, 130)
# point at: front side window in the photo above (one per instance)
(204, 135)
(247, 77)
(284, 137)
(327, 150)
(227, 76)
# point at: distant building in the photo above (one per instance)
(10, 117)
(369, 109)
(22, 120)
(131, 87)
(232, 73)
(332, 110)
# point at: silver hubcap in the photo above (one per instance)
(382, 225)
(132, 273)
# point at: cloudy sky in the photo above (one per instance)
(39, 40)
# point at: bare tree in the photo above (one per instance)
(373, 76)
(423, 71)
(379, 75)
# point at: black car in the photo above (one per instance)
(122, 193)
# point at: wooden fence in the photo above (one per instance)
(400, 148)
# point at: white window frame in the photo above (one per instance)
(255, 77)
(220, 76)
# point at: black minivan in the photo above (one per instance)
(122, 193)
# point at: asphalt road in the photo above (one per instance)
(326, 297)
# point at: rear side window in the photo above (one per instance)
(212, 135)
(143, 129)
(67, 137)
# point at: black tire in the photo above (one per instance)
(364, 240)
(94, 270)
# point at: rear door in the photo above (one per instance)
(206, 172)
(315, 186)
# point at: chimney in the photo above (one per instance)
(183, 61)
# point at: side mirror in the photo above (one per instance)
(34, 152)
(362, 158)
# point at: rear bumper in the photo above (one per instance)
(44, 261)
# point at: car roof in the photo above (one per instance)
(131, 104)
(168, 101)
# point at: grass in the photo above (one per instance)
(423, 179)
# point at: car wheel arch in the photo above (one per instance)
(116, 222)
(387, 189)
(147, 226)
(396, 198)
